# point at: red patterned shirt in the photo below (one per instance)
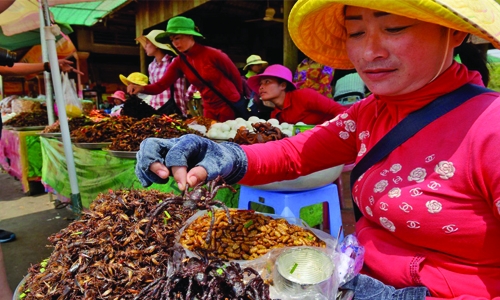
(156, 71)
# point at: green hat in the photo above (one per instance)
(178, 25)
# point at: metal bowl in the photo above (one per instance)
(304, 270)
(304, 183)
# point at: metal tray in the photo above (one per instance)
(122, 154)
(50, 134)
(93, 146)
(28, 128)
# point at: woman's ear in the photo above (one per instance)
(283, 85)
(457, 37)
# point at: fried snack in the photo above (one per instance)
(249, 236)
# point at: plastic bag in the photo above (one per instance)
(265, 265)
(73, 104)
(351, 256)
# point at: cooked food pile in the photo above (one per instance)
(249, 236)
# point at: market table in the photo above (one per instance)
(98, 171)
(20, 156)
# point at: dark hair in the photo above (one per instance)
(474, 59)
(289, 86)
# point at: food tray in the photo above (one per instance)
(50, 134)
(93, 146)
(28, 128)
(122, 154)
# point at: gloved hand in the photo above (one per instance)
(368, 288)
(225, 159)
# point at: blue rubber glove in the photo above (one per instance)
(368, 288)
(225, 159)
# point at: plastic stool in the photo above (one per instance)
(288, 204)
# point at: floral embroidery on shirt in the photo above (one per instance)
(497, 204)
(362, 149)
(384, 172)
(406, 207)
(339, 123)
(383, 206)
(418, 175)
(430, 158)
(415, 192)
(434, 206)
(387, 224)
(445, 169)
(350, 125)
(449, 228)
(344, 115)
(371, 199)
(413, 224)
(369, 211)
(433, 185)
(394, 193)
(344, 135)
(397, 179)
(396, 168)
(380, 186)
(364, 134)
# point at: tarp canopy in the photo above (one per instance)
(28, 38)
(23, 15)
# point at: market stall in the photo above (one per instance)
(20, 156)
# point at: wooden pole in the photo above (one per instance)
(290, 51)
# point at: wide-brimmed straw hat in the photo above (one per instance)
(120, 95)
(254, 60)
(317, 26)
(135, 78)
(178, 25)
(278, 71)
(151, 36)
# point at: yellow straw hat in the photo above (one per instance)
(151, 36)
(135, 78)
(317, 26)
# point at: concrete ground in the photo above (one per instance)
(33, 219)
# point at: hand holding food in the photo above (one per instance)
(201, 158)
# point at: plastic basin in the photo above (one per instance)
(303, 183)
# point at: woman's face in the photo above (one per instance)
(117, 101)
(150, 48)
(270, 89)
(258, 68)
(182, 42)
(395, 55)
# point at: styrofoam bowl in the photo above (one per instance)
(303, 183)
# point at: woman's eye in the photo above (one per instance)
(396, 29)
(355, 34)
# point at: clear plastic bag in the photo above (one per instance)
(73, 104)
(266, 265)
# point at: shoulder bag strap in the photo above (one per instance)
(190, 66)
(409, 126)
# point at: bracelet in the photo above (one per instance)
(46, 66)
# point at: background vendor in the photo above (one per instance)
(293, 105)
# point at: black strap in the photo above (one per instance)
(190, 66)
(409, 126)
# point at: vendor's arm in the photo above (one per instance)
(322, 147)
(172, 73)
(319, 103)
(22, 69)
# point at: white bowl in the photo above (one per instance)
(303, 183)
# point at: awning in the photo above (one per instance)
(23, 15)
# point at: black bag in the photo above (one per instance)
(240, 107)
(170, 107)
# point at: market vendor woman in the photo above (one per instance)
(430, 221)
(213, 65)
(293, 105)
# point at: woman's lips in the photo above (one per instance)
(374, 74)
